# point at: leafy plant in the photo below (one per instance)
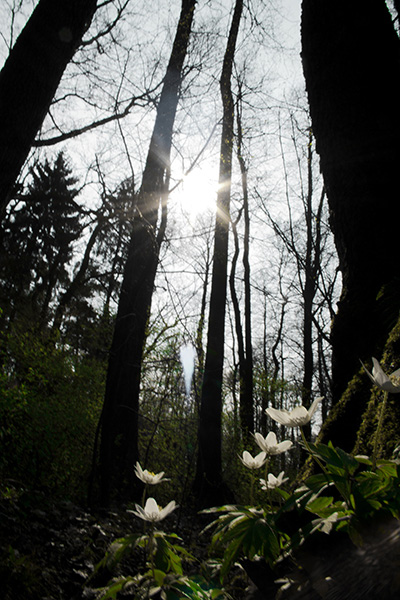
(348, 493)
(163, 573)
(243, 530)
(50, 402)
(163, 555)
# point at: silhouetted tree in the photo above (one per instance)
(37, 240)
(30, 77)
(354, 99)
(119, 421)
(208, 484)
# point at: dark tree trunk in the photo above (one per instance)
(244, 412)
(312, 271)
(351, 60)
(30, 77)
(308, 293)
(200, 330)
(119, 433)
(247, 400)
(208, 482)
(271, 395)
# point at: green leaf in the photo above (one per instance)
(389, 468)
(364, 460)
(119, 549)
(165, 557)
(159, 577)
(318, 504)
(316, 482)
(327, 453)
(336, 459)
(371, 485)
(114, 588)
(376, 505)
(349, 462)
(285, 495)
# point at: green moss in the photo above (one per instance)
(366, 433)
(390, 433)
(344, 419)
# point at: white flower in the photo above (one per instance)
(253, 462)
(152, 512)
(325, 525)
(387, 383)
(147, 476)
(272, 481)
(297, 417)
(269, 444)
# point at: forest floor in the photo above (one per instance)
(49, 548)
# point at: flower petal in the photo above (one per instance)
(369, 374)
(299, 416)
(271, 439)
(383, 381)
(151, 506)
(247, 457)
(259, 460)
(283, 446)
(139, 471)
(164, 512)
(260, 441)
(139, 512)
(379, 375)
(314, 406)
(281, 416)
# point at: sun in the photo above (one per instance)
(197, 193)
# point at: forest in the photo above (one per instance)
(199, 299)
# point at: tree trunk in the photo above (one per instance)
(247, 401)
(243, 406)
(200, 330)
(119, 433)
(351, 57)
(30, 77)
(312, 272)
(208, 482)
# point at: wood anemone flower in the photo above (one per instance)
(387, 383)
(270, 445)
(152, 512)
(297, 417)
(253, 462)
(272, 482)
(147, 476)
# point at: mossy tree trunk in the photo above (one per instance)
(351, 59)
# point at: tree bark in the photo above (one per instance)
(243, 407)
(30, 77)
(247, 400)
(208, 483)
(119, 432)
(351, 57)
(312, 273)
(200, 330)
